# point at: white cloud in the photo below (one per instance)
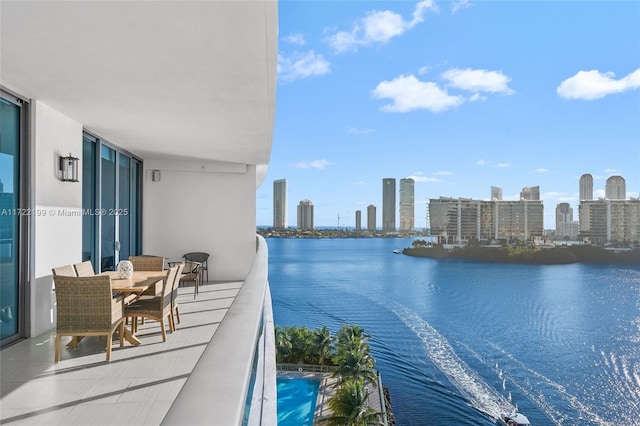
(295, 39)
(302, 65)
(541, 170)
(612, 171)
(590, 85)
(408, 94)
(599, 193)
(377, 27)
(459, 5)
(481, 163)
(478, 80)
(314, 164)
(503, 165)
(356, 131)
(424, 179)
(444, 173)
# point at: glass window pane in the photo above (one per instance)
(124, 198)
(108, 205)
(89, 201)
(134, 211)
(9, 231)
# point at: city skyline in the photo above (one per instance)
(614, 183)
(459, 96)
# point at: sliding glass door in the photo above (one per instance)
(13, 223)
(111, 189)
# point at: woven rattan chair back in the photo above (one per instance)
(85, 307)
(84, 269)
(64, 271)
(175, 309)
(147, 263)
(157, 308)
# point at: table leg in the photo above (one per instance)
(131, 338)
(73, 343)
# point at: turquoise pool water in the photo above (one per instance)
(296, 401)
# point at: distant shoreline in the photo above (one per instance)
(559, 255)
(336, 233)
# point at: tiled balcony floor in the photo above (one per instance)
(137, 387)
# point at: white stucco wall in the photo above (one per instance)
(58, 237)
(201, 206)
(57, 232)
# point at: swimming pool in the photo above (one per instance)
(296, 401)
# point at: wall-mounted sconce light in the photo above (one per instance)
(69, 169)
(155, 175)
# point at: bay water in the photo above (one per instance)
(457, 341)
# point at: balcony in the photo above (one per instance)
(201, 375)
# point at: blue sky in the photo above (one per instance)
(458, 95)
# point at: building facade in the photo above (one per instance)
(461, 220)
(371, 217)
(610, 221)
(586, 187)
(496, 193)
(305, 215)
(407, 204)
(389, 204)
(358, 220)
(530, 193)
(280, 204)
(616, 188)
(565, 226)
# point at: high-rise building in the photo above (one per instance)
(586, 187)
(389, 204)
(358, 220)
(606, 221)
(496, 193)
(407, 206)
(305, 215)
(280, 204)
(371, 217)
(530, 193)
(565, 226)
(616, 188)
(459, 220)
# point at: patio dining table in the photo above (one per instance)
(136, 285)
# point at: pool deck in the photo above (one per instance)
(328, 390)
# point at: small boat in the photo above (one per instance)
(398, 251)
(513, 419)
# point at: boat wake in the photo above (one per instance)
(546, 394)
(477, 392)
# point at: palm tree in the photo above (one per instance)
(322, 345)
(349, 407)
(357, 364)
(283, 344)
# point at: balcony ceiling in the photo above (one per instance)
(161, 79)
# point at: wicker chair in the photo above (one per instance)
(64, 271)
(203, 258)
(157, 308)
(175, 311)
(148, 263)
(85, 308)
(84, 269)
